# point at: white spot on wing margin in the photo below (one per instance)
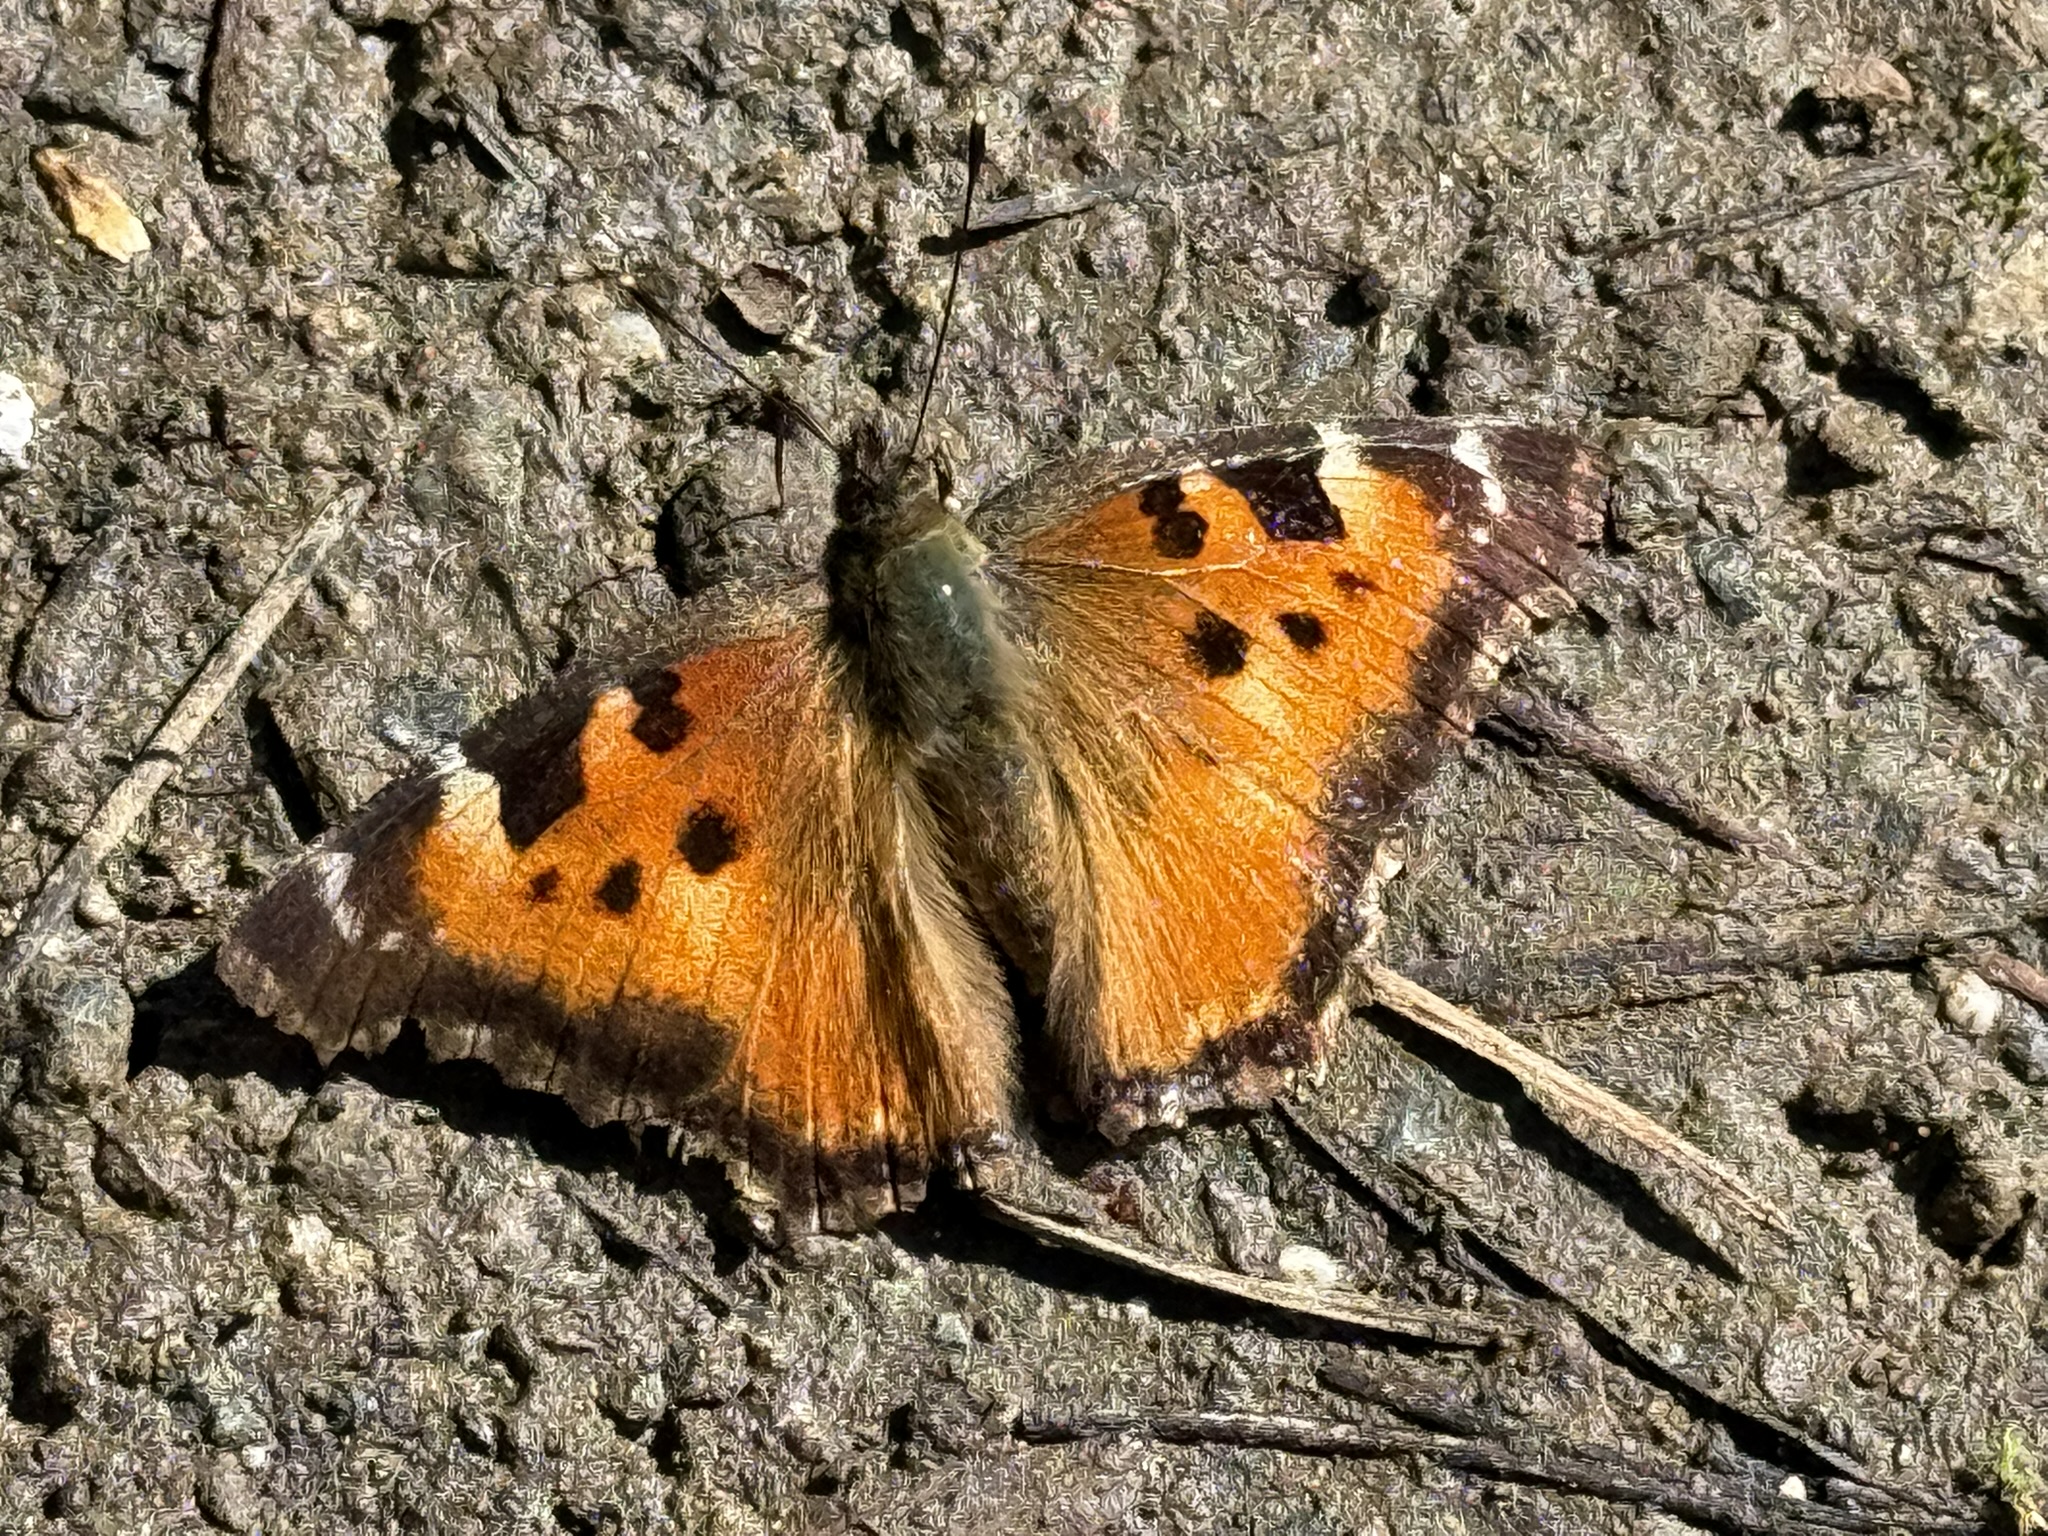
(1340, 452)
(1469, 449)
(330, 871)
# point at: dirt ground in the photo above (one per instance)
(1755, 844)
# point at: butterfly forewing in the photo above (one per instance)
(1243, 663)
(667, 910)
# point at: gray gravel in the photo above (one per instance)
(1785, 260)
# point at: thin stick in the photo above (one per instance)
(1776, 211)
(1323, 1303)
(1580, 741)
(1496, 1257)
(665, 313)
(1695, 963)
(1262, 153)
(615, 1227)
(1544, 1079)
(1712, 1499)
(52, 906)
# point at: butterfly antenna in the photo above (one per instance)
(977, 147)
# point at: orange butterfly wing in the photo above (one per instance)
(1242, 668)
(659, 900)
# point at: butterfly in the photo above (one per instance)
(1111, 760)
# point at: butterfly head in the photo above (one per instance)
(886, 495)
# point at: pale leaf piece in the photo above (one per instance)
(92, 205)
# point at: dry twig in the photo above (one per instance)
(1776, 210)
(1547, 1082)
(1716, 1500)
(1693, 960)
(1263, 153)
(618, 1230)
(1411, 1196)
(1579, 741)
(1324, 1303)
(2012, 975)
(51, 907)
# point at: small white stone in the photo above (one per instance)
(629, 339)
(307, 1237)
(1794, 1487)
(2009, 302)
(94, 207)
(1308, 1265)
(1971, 1003)
(96, 906)
(17, 422)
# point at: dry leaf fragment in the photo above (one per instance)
(1866, 78)
(92, 205)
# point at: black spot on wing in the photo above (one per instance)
(1305, 630)
(1178, 531)
(1351, 584)
(1287, 497)
(621, 889)
(530, 752)
(542, 887)
(708, 842)
(662, 723)
(1218, 646)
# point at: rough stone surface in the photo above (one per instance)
(1784, 260)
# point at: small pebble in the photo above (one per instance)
(17, 422)
(225, 1495)
(82, 1021)
(767, 298)
(1247, 1230)
(234, 1423)
(62, 664)
(1727, 570)
(627, 339)
(1308, 1265)
(1971, 1003)
(96, 907)
(1867, 79)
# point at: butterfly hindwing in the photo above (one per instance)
(659, 899)
(1242, 661)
